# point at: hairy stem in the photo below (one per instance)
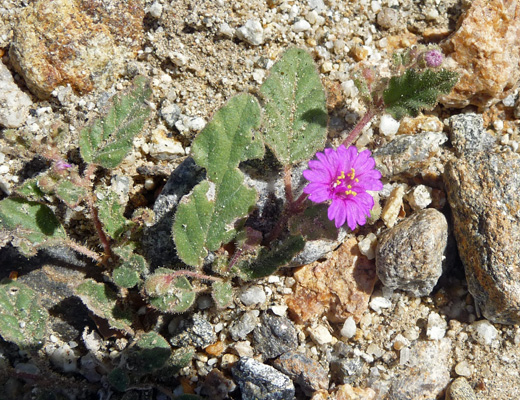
(184, 272)
(354, 133)
(84, 250)
(89, 175)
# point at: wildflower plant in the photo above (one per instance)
(214, 232)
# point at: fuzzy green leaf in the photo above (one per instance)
(70, 193)
(205, 219)
(295, 108)
(150, 352)
(109, 139)
(110, 213)
(415, 91)
(33, 223)
(102, 301)
(268, 262)
(169, 293)
(22, 319)
(30, 190)
(222, 293)
(128, 272)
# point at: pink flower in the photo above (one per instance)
(62, 165)
(433, 58)
(343, 176)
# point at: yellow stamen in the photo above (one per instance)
(339, 178)
(347, 192)
(352, 174)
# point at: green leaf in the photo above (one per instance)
(70, 193)
(149, 352)
(415, 91)
(295, 108)
(118, 379)
(169, 293)
(33, 223)
(205, 219)
(30, 190)
(268, 261)
(22, 319)
(222, 293)
(109, 139)
(110, 213)
(102, 301)
(128, 272)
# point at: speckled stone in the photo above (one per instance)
(467, 134)
(195, 331)
(258, 381)
(427, 373)
(304, 371)
(409, 256)
(275, 335)
(339, 287)
(411, 155)
(485, 50)
(460, 389)
(483, 195)
(82, 43)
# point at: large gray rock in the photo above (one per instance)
(275, 336)
(483, 195)
(410, 255)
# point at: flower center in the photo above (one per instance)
(343, 183)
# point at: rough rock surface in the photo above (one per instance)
(261, 382)
(411, 155)
(81, 43)
(467, 134)
(304, 371)
(427, 374)
(409, 256)
(340, 287)
(485, 50)
(14, 104)
(460, 389)
(275, 335)
(483, 195)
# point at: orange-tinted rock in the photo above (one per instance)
(81, 43)
(339, 287)
(485, 50)
(215, 349)
(347, 392)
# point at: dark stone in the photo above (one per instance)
(304, 371)
(195, 331)
(275, 336)
(345, 370)
(258, 381)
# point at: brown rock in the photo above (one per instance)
(485, 50)
(347, 392)
(340, 287)
(483, 194)
(81, 43)
(409, 256)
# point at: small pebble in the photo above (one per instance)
(320, 335)
(388, 126)
(301, 26)
(156, 9)
(463, 369)
(253, 295)
(437, 326)
(349, 328)
(378, 303)
(484, 332)
(251, 32)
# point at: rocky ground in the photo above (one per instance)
(391, 313)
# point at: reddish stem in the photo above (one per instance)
(354, 133)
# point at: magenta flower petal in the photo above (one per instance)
(343, 176)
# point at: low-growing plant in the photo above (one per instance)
(214, 230)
